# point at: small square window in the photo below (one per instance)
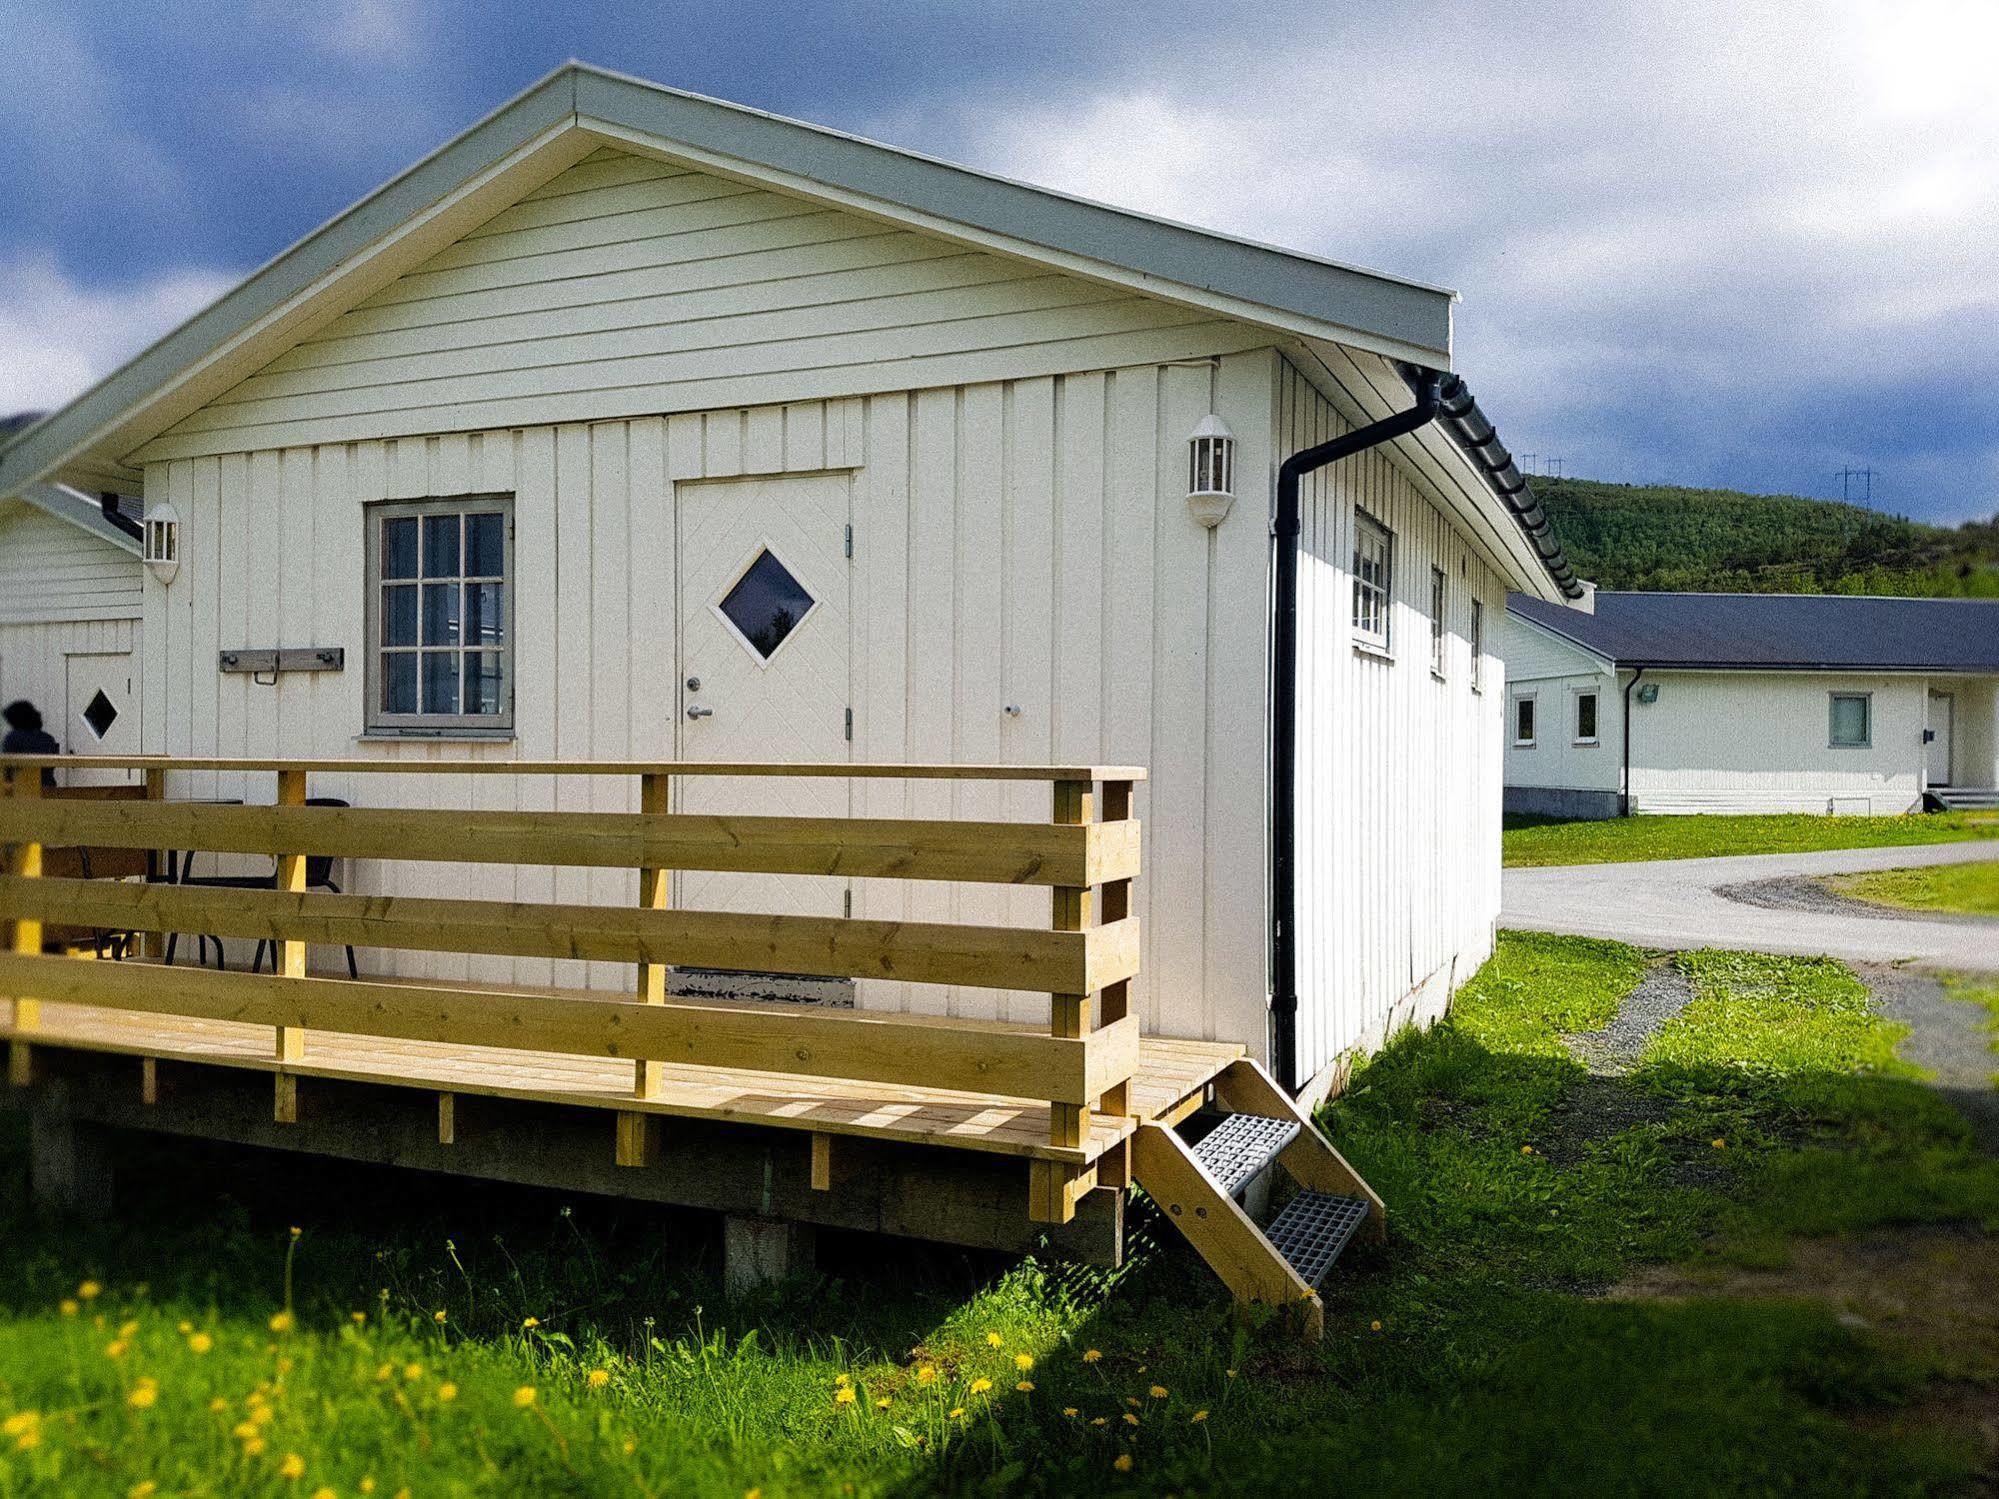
(1852, 720)
(1523, 721)
(766, 604)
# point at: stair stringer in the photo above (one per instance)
(1243, 1087)
(1220, 1231)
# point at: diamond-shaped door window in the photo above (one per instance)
(766, 604)
(99, 714)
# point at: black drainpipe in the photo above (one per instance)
(1429, 389)
(1624, 797)
(107, 502)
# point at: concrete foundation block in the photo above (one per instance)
(758, 1253)
(69, 1166)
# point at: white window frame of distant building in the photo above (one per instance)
(1530, 699)
(1373, 583)
(1866, 739)
(1440, 594)
(1595, 736)
(376, 719)
(1478, 645)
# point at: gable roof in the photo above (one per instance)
(1778, 631)
(1320, 304)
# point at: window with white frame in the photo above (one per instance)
(1477, 646)
(1439, 596)
(1852, 720)
(1523, 721)
(440, 630)
(1586, 707)
(1373, 579)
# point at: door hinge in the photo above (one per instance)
(850, 726)
(850, 541)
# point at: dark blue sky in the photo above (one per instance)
(1720, 244)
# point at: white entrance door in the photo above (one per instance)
(1943, 711)
(764, 666)
(100, 712)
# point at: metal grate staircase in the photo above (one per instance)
(1965, 798)
(1199, 1184)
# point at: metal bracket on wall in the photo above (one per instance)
(264, 666)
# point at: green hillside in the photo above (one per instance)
(1657, 537)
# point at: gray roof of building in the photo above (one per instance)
(1779, 631)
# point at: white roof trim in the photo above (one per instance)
(80, 510)
(575, 109)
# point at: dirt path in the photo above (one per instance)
(1945, 1037)
(1614, 1050)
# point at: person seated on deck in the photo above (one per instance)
(26, 736)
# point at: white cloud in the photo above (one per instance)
(58, 337)
(368, 30)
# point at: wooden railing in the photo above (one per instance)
(1087, 854)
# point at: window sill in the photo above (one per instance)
(1439, 678)
(1525, 743)
(1585, 744)
(427, 736)
(1375, 649)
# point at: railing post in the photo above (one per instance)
(151, 944)
(1073, 1015)
(26, 785)
(637, 1131)
(290, 959)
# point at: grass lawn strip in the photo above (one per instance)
(196, 1346)
(1970, 889)
(1530, 841)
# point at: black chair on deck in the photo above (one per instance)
(318, 876)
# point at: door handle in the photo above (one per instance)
(697, 711)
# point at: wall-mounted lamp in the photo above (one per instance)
(1211, 471)
(1648, 693)
(163, 540)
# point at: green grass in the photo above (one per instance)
(1532, 841)
(1972, 889)
(1470, 1355)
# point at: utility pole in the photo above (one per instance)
(1527, 462)
(1554, 467)
(1866, 478)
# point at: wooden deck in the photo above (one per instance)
(1170, 1078)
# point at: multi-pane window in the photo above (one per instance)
(1852, 720)
(1586, 717)
(1373, 579)
(1477, 645)
(1438, 595)
(1523, 721)
(440, 614)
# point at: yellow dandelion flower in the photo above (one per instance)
(385, 1373)
(1229, 1372)
(843, 1379)
(631, 1446)
(128, 1329)
(992, 1340)
(292, 1467)
(528, 1323)
(524, 1396)
(296, 1231)
(1123, 1463)
(1069, 1411)
(367, 1484)
(957, 1412)
(412, 1373)
(20, 1421)
(403, 1492)
(980, 1386)
(262, 1415)
(284, 1366)
(243, 1430)
(844, 1395)
(323, 1492)
(115, 1348)
(1526, 1150)
(1025, 1386)
(1375, 1325)
(882, 1403)
(447, 1392)
(1092, 1356)
(185, 1327)
(90, 1290)
(1197, 1418)
(1023, 1361)
(1130, 1419)
(145, 1395)
(1100, 1420)
(30, 1438)
(254, 1447)
(1157, 1392)
(1719, 1144)
(359, 1319)
(597, 1378)
(200, 1342)
(925, 1374)
(218, 1405)
(1133, 1400)
(283, 1322)
(145, 1488)
(68, 1306)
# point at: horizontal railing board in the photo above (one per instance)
(1026, 958)
(830, 1044)
(1015, 853)
(842, 769)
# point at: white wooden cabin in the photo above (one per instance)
(1736, 703)
(71, 607)
(725, 437)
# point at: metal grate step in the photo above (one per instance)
(1312, 1230)
(1242, 1145)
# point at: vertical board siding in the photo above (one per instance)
(1019, 544)
(1399, 773)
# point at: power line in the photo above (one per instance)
(1846, 477)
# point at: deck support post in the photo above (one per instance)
(654, 885)
(290, 956)
(759, 1253)
(26, 938)
(637, 1143)
(69, 1163)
